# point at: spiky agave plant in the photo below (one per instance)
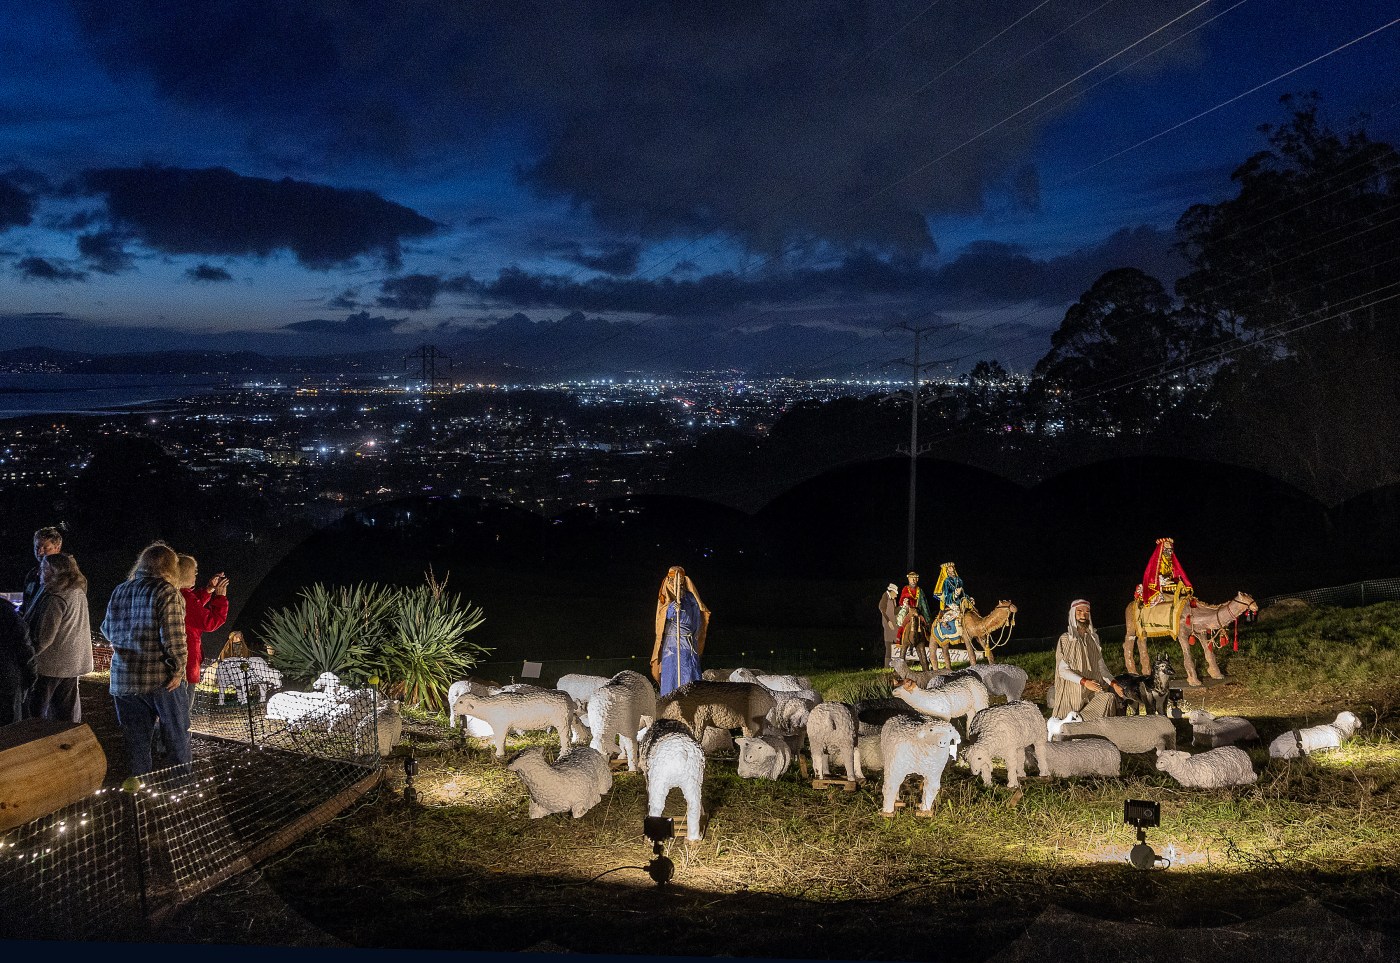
(426, 648)
(330, 630)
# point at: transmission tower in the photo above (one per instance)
(426, 358)
(917, 369)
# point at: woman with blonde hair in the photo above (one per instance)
(62, 638)
(682, 621)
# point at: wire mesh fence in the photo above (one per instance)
(264, 772)
(1345, 596)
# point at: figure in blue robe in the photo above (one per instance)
(681, 625)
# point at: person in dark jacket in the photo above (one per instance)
(16, 665)
(62, 637)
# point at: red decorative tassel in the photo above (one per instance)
(1237, 635)
(1191, 639)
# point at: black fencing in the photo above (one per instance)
(1345, 596)
(108, 866)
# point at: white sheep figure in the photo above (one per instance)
(1005, 732)
(617, 712)
(574, 783)
(725, 705)
(831, 738)
(300, 710)
(1216, 769)
(1129, 733)
(242, 674)
(382, 732)
(868, 757)
(1216, 731)
(965, 697)
(1315, 738)
(773, 683)
(581, 689)
(718, 741)
(763, 757)
(788, 718)
(916, 747)
(1001, 678)
(458, 689)
(543, 709)
(1090, 756)
(671, 758)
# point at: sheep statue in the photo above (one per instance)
(831, 737)
(1005, 732)
(1128, 733)
(916, 747)
(726, 705)
(573, 783)
(763, 757)
(788, 717)
(1215, 731)
(1216, 769)
(773, 683)
(1315, 738)
(242, 674)
(581, 689)
(460, 688)
(543, 709)
(964, 696)
(671, 758)
(1090, 756)
(617, 712)
(1001, 679)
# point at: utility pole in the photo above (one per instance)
(914, 451)
(427, 357)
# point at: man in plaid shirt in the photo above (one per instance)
(145, 624)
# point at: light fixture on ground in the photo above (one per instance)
(1144, 814)
(658, 829)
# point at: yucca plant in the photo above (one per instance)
(330, 630)
(425, 648)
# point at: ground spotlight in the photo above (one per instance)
(1144, 814)
(410, 769)
(659, 829)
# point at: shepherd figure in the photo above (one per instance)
(682, 621)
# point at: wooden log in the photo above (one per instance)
(45, 766)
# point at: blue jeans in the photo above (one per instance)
(138, 714)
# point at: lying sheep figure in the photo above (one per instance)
(617, 712)
(773, 683)
(831, 737)
(909, 747)
(1315, 738)
(1216, 731)
(1005, 732)
(672, 759)
(242, 674)
(523, 711)
(574, 783)
(1216, 769)
(964, 696)
(725, 705)
(1090, 756)
(1128, 733)
(763, 757)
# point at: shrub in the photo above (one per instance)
(425, 648)
(330, 630)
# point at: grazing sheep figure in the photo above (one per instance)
(726, 705)
(1090, 756)
(773, 683)
(242, 674)
(617, 712)
(922, 747)
(958, 697)
(868, 757)
(831, 737)
(1315, 738)
(461, 688)
(1216, 769)
(574, 783)
(763, 757)
(1128, 733)
(300, 710)
(1005, 732)
(672, 759)
(788, 718)
(1216, 731)
(1001, 679)
(874, 713)
(544, 709)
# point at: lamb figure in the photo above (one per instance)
(831, 737)
(763, 757)
(1315, 738)
(1005, 732)
(671, 758)
(617, 712)
(242, 674)
(1090, 756)
(574, 783)
(1216, 769)
(726, 705)
(1216, 731)
(963, 696)
(544, 709)
(460, 688)
(916, 747)
(1128, 733)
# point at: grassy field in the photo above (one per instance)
(786, 870)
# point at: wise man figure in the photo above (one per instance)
(889, 613)
(1083, 683)
(913, 619)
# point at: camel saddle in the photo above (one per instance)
(1161, 619)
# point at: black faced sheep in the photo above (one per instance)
(672, 759)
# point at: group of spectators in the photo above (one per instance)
(154, 623)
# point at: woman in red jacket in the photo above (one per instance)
(205, 610)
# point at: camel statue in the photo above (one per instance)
(1201, 621)
(978, 628)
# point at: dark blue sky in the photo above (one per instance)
(304, 175)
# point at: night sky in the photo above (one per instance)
(304, 176)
